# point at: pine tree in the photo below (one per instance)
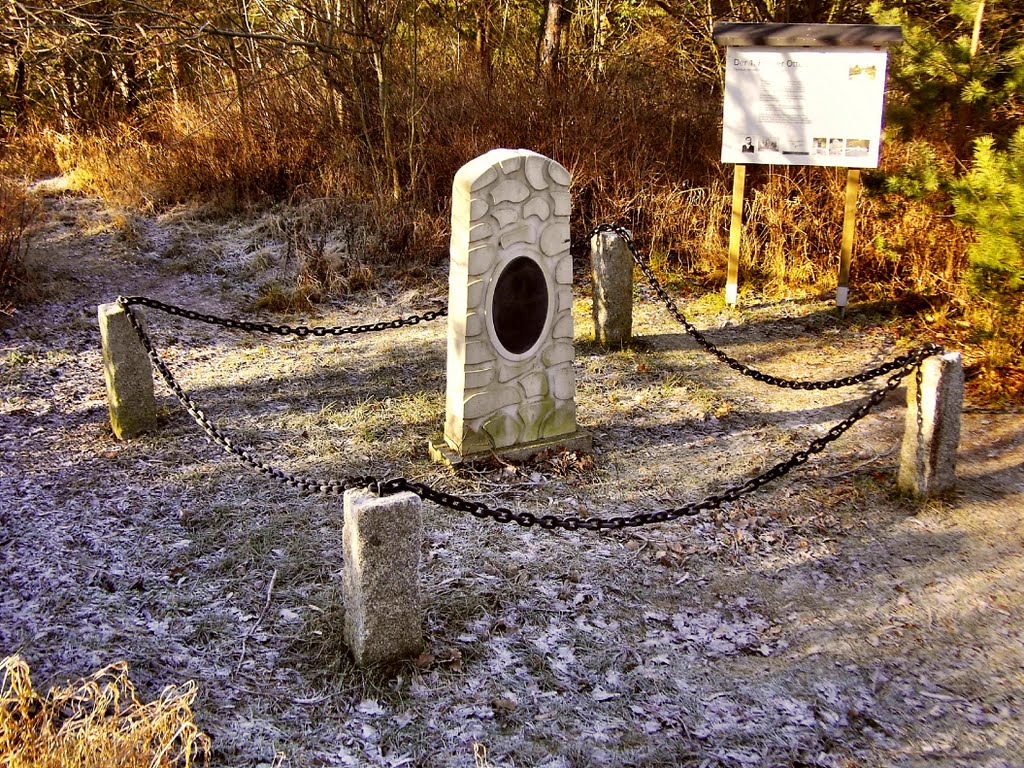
(963, 70)
(990, 199)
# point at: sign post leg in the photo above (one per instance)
(735, 230)
(849, 229)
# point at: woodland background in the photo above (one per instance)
(373, 105)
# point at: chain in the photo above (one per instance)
(302, 331)
(740, 367)
(215, 433)
(526, 519)
(501, 514)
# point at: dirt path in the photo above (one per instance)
(822, 621)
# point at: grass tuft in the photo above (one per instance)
(97, 722)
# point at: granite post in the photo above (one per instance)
(381, 539)
(612, 271)
(128, 373)
(932, 433)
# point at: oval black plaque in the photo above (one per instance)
(519, 307)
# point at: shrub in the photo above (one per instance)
(17, 213)
(990, 200)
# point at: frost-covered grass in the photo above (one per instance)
(822, 621)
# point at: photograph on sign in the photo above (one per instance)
(800, 106)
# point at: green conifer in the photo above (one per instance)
(990, 199)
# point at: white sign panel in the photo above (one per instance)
(803, 106)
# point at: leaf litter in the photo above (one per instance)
(823, 621)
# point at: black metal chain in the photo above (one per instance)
(215, 433)
(526, 519)
(302, 331)
(740, 367)
(481, 510)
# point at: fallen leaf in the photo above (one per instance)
(424, 660)
(370, 707)
(451, 657)
(503, 705)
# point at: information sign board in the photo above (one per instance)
(803, 106)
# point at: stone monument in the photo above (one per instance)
(511, 386)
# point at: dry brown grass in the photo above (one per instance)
(791, 236)
(98, 722)
(642, 152)
(212, 152)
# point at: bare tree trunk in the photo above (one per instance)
(979, 14)
(239, 78)
(106, 83)
(555, 37)
(482, 43)
(384, 108)
(968, 115)
(132, 84)
(602, 33)
(18, 98)
(183, 72)
(70, 109)
(412, 158)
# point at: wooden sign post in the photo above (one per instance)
(802, 94)
(849, 229)
(732, 278)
